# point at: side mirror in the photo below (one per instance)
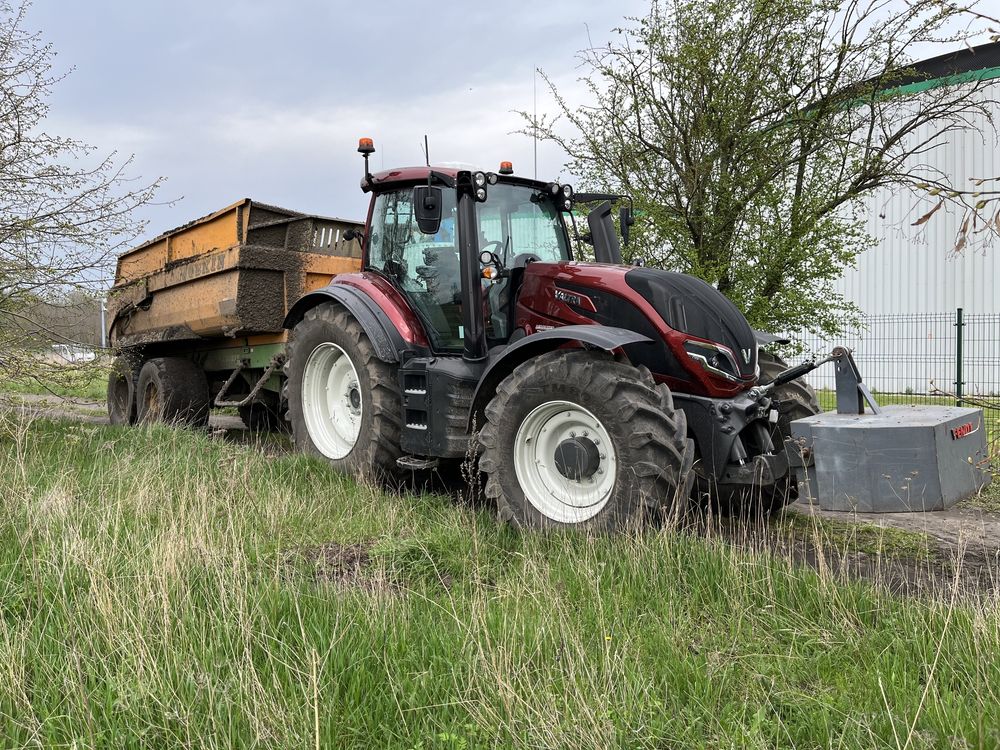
(427, 208)
(625, 220)
(354, 234)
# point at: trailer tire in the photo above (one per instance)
(121, 392)
(571, 404)
(172, 390)
(263, 414)
(793, 400)
(358, 432)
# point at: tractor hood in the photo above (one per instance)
(689, 305)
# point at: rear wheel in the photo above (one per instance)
(344, 403)
(121, 392)
(793, 400)
(172, 390)
(577, 439)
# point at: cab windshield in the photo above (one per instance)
(516, 223)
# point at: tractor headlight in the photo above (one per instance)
(567, 191)
(480, 194)
(554, 188)
(491, 177)
(714, 358)
(480, 179)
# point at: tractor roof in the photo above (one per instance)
(419, 174)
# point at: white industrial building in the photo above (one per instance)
(910, 284)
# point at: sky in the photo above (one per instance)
(267, 100)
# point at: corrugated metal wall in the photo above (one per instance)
(914, 269)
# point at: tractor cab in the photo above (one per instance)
(433, 230)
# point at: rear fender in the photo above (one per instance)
(589, 336)
(386, 340)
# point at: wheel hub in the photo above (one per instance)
(565, 461)
(577, 458)
(331, 401)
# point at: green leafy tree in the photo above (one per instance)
(65, 212)
(748, 131)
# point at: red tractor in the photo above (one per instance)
(597, 394)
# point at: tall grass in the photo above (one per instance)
(159, 588)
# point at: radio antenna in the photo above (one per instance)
(427, 153)
(534, 130)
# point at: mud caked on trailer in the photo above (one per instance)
(456, 320)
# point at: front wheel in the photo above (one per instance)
(574, 438)
(263, 414)
(172, 390)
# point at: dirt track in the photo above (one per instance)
(91, 412)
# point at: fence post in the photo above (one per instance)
(960, 326)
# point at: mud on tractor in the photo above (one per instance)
(596, 394)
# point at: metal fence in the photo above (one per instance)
(937, 358)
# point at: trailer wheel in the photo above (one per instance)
(344, 403)
(263, 415)
(121, 392)
(172, 390)
(575, 439)
(793, 400)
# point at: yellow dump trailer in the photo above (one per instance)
(232, 273)
(206, 301)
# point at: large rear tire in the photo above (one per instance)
(575, 439)
(172, 390)
(344, 403)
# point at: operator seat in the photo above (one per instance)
(442, 274)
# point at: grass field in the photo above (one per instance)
(159, 588)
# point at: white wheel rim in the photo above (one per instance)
(556, 496)
(331, 401)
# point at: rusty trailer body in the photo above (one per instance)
(232, 273)
(216, 291)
